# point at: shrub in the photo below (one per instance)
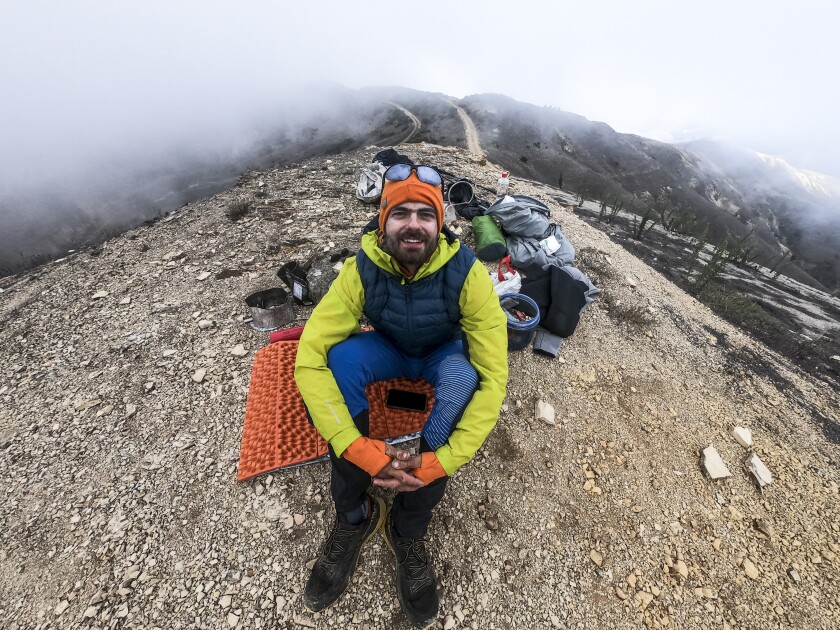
(237, 209)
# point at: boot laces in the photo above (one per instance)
(338, 543)
(416, 562)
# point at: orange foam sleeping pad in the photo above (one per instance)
(277, 432)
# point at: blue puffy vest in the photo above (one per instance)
(418, 317)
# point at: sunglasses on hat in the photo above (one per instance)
(401, 172)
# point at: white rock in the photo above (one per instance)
(596, 557)
(449, 623)
(836, 357)
(273, 512)
(631, 281)
(238, 350)
(224, 601)
(130, 410)
(750, 570)
(758, 470)
(125, 300)
(299, 518)
(99, 295)
(203, 275)
(199, 375)
(743, 436)
(232, 620)
(713, 464)
(204, 324)
(62, 606)
(90, 612)
(337, 266)
(169, 353)
(544, 412)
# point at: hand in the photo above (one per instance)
(394, 475)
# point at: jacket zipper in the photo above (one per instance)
(408, 308)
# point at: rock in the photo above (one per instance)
(99, 295)
(273, 512)
(232, 620)
(743, 436)
(224, 601)
(62, 606)
(104, 411)
(713, 464)
(130, 410)
(90, 611)
(620, 593)
(749, 569)
(764, 528)
(794, 575)
(203, 275)
(204, 324)
(239, 350)
(125, 300)
(643, 599)
(299, 518)
(758, 470)
(544, 412)
(99, 597)
(596, 557)
(681, 569)
(631, 282)
(199, 375)
(449, 623)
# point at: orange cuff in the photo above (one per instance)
(367, 454)
(430, 468)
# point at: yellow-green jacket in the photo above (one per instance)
(337, 317)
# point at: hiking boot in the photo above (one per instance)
(416, 585)
(337, 561)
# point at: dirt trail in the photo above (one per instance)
(414, 121)
(473, 145)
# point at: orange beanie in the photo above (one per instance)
(411, 189)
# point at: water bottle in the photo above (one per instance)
(502, 184)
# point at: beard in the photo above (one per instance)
(410, 256)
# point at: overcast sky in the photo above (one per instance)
(85, 79)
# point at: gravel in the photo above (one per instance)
(123, 384)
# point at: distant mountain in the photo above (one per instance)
(42, 221)
(733, 194)
(723, 192)
(800, 208)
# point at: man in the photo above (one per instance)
(435, 315)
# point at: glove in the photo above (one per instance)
(367, 454)
(430, 468)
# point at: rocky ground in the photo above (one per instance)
(123, 389)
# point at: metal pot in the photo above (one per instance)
(270, 309)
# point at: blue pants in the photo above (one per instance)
(368, 357)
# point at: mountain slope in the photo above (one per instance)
(546, 144)
(121, 418)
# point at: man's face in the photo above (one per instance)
(411, 233)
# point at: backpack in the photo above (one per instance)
(369, 188)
